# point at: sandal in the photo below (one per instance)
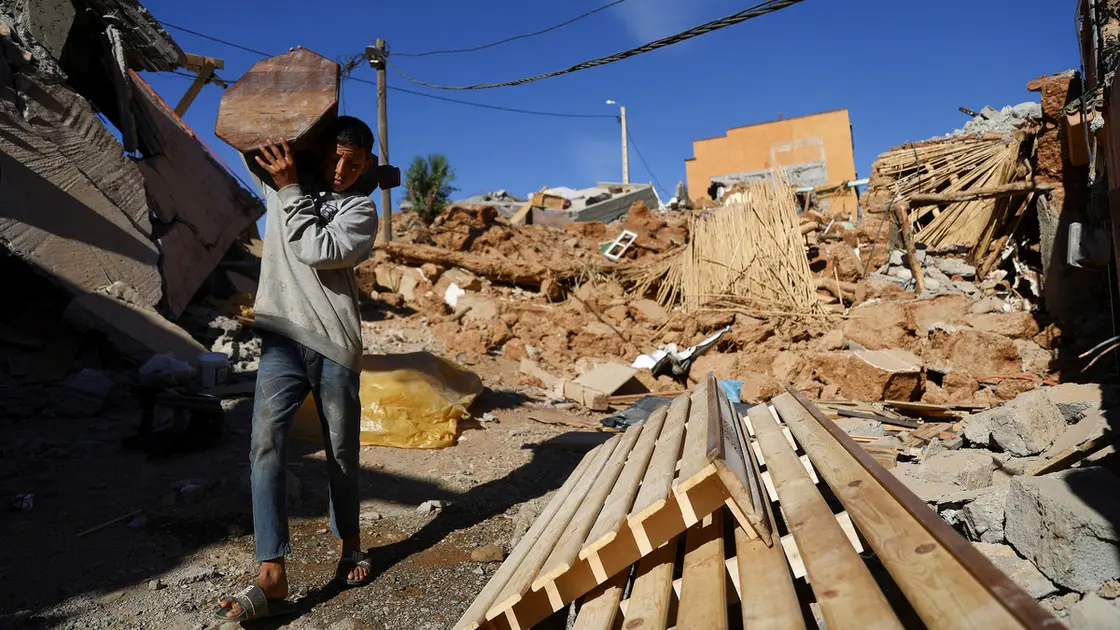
(254, 605)
(355, 559)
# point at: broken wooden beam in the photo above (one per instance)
(521, 272)
(906, 228)
(994, 192)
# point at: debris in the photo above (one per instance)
(872, 374)
(1065, 523)
(668, 360)
(1094, 613)
(983, 517)
(531, 368)
(1020, 571)
(488, 553)
(594, 388)
(111, 598)
(136, 332)
(1025, 426)
(156, 585)
(429, 507)
(164, 370)
(1075, 443)
(84, 394)
(110, 522)
(969, 469)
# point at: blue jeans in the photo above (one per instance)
(288, 372)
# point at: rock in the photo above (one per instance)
(832, 340)
(927, 491)
(650, 311)
(371, 516)
(921, 315)
(156, 585)
(429, 507)
(488, 553)
(1076, 399)
(1094, 613)
(191, 575)
(970, 469)
(959, 387)
(1091, 427)
(878, 326)
(954, 267)
(1017, 325)
(973, 352)
(861, 427)
(1025, 426)
(988, 305)
(902, 273)
(1035, 359)
(1060, 604)
(410, 282)
(897, 257)
(1066, 524)
(758, 388)
(481, 309)
(1110, 590)
(983, 518)
(111, 598)
(84, 394)
(871, 374)
(466, 280)
(1022, 572)
(1012, 388)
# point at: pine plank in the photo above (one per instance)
(942, 591)
(600, 610)
(769, 601)
(656, 490)
(651, 597)
(475, 614)
(704, 577)
(845, 589)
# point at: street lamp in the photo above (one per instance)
(625, 153)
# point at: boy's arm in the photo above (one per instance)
(341, 243)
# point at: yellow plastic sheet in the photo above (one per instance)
(410, 400)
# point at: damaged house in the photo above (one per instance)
(129, 230)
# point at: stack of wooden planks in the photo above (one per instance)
(701, 518)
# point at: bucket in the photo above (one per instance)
(213, 368)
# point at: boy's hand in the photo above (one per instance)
(279, 163)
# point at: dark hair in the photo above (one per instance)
(351, 132)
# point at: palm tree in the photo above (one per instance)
(429, 185)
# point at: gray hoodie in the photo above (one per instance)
(312, 242)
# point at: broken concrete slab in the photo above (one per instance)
(1067, 524)
(137, 333)
(871, 374)
(1021, 571)
(1093, 426)
(954, 267)
(983, 518)
(1035, 359)
(1094, 613)
(530, 367)
(970, 469)
(929, 491)
(1076, 399)
(1024, 426)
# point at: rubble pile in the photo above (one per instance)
(1033, 484)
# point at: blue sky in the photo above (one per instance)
(902, 68)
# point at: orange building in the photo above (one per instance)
(815, 150)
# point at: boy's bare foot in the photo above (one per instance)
(272, 579)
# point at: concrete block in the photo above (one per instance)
(970, 469)
(983, 518)
(1022, 572)
(1024, 426)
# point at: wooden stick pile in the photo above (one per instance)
(750, 251)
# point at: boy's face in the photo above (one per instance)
(344, 165)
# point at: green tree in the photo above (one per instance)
(428, 181)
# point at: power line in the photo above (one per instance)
(484, 105)
(514, 38)
(215, 39)
(763, 8)
(630, 137)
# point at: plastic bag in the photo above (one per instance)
(410, 400)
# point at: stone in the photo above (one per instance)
(959, 387)
(1093, 426)
(861, 427)
(1017, 325)
(983, 518)
(488, 553)
(758, 388)
(927, 491)
(429, 507)
(1035, 359)
(968, 468)
(897, 257)
(1022, 572)
(111, 598)
(954, 267)
(871, 374)
(1094, 613)
(1060, 604)
(878, 326)
(84, 394)
(1066, 524)
(1110, 590)
(649, 311)
(922, 315)
(466, 280)
(973, 352)
(480, 309)
(989, 304)
(832, 340)
(1074, 400)
(1024, 426)
(156, 585)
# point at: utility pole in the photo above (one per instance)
(625, 153)
(377, 56)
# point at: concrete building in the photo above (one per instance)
(815, 150)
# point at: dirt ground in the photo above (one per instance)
(190, 540)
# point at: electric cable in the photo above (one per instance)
(630, 138)
(514, 38)
(770, 6)
(215, 39)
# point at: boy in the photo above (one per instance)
(317, 230)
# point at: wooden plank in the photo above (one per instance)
(656, 489)
(600, 610)
(204, 74)
(566, 550)
(1021, 606)
(704, 577)
(521, 581)
(475, 615)
(993, 192)
(845, 589)
(698, 484)
(612, 519)
(651, 597)
(727, 449)
(769, 601)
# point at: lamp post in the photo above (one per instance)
(625, 153)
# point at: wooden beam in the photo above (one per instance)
(902, 212)
(204, 75)
(994, 192)
(195, 62)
